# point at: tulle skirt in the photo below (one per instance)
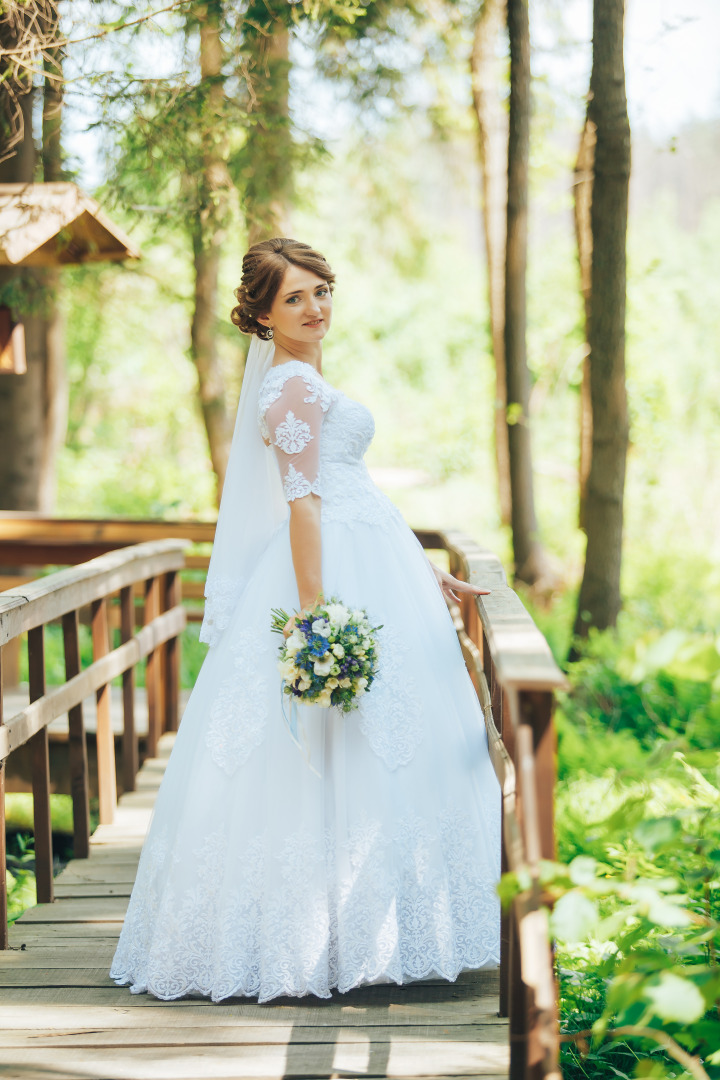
(261, 878)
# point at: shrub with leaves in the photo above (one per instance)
(637, 921)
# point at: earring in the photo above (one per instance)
(270, 332)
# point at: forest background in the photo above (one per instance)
(388, 188)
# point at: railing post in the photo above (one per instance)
(40, 757)
(3, 852)
(105, 738)
(536, 709)
(171, 658)
(77, 747)
(507, 971)
(518, 1022)
(130, 745)
(151, 669)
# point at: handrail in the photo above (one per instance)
(516, 676)
(60, 596)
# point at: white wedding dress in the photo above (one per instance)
(260, 878)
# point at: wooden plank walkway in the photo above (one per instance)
(62, 1018)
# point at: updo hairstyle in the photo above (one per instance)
(263, 269)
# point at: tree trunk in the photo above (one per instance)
(33, 406)
(56, 382)
(599, 600)
(269, 147)
(530, 562)
(21, 396)
(209, 232)
(583, 234)
(488, 75)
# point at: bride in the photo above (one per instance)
(263, 873)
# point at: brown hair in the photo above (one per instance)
(264, 268)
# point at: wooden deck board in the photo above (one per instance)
(62, 1018)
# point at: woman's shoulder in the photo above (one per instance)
(313, 385)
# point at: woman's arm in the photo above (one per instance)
(306, 547)
(294, 423)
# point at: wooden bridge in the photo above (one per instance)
(62, 1017)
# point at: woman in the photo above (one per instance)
(264, 873)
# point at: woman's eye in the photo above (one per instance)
(292, 299)
(321, 292)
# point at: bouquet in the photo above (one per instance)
(331, 656)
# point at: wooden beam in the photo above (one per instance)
(130, 744)
(171, 589)
(152, 607)
(53, 596)
(30, 527)
(107, 785)
(77, 747)
(40, 758)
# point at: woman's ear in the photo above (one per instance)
(264, 319)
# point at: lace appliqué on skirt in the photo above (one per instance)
(239, 713)
(313, 914)
(221, 599)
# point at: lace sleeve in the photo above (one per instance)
(294, 421)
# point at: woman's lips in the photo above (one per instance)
(313, 322)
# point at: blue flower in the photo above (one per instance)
(318, 645)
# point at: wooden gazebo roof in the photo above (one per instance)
(56, 224)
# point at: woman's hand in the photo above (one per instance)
(451, 586)
(302, 614)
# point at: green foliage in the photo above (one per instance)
(20, 873)
(19, 812)
(637, 924)
(20, 876)
(637, 890)
(636, 691)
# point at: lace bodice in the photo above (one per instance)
(320, 437)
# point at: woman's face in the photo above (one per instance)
(302, 308)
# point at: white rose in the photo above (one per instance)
(357, 616)
(303, 685)
(324, 698)
(321, 626)
(338, 614)
(288, 670)
(294, 643)
(338, 650)
(345, 683)
(324, 665)
(362, 683)
(331, 684)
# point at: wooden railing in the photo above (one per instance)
(60, 596)
(515, 677)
